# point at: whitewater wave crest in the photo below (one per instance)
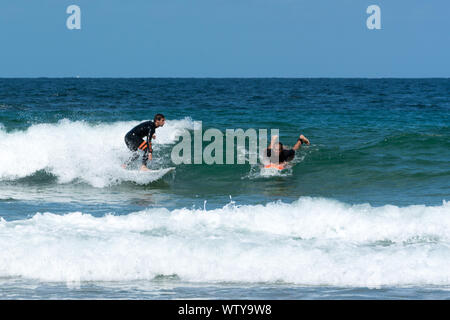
(312, 241)
(77, 150)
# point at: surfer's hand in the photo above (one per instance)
(304, 139)
(150, 157)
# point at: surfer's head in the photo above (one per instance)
(159, 120)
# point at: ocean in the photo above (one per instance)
(363, 213)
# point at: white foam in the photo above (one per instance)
(258, 172)
(310, 242)
(75, 150)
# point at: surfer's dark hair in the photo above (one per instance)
(158, 117)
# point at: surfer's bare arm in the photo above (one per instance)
(273, 141)
(300, 140)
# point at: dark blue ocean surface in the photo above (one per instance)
(364, 206)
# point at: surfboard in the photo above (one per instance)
(144, 177)
(274, 170)
(275, 166)
(159, 171)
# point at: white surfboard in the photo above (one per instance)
(161, 172)
(144, 177)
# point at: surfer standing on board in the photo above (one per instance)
(278, 155)
(134, 140)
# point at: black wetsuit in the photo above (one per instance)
(134, 140)
(284, 155)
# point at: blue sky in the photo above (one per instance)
(225, 38)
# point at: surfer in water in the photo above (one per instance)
(279, 155)
(135, 141)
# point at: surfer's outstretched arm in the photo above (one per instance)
(273, 141)
(302, 139)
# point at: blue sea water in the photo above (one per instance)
(363, 213)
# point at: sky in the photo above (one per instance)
(225, 38)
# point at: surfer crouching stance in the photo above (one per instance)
(279, 156)
(134, 140)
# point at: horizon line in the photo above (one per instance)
(182, 77)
